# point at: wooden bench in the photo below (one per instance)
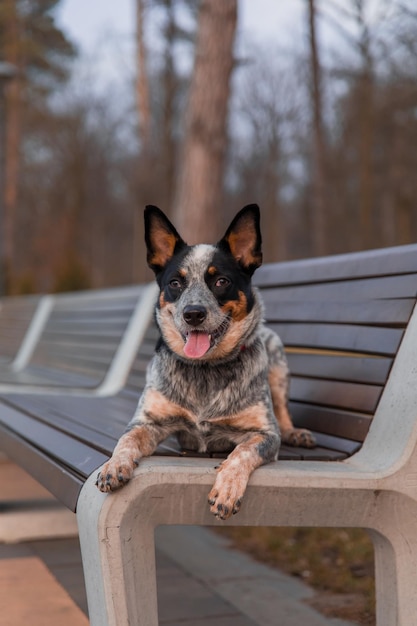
(351, 334)
(82, 342)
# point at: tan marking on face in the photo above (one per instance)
(212, 270)
(162, 408)
(229, 341)
(170, 332)
(182, 272)
(238, 309)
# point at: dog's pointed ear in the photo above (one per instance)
(161, 238)
(243, 238)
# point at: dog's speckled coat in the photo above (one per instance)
(219, 378)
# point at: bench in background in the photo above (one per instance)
(16, 315)
(82, 342)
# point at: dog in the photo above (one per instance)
(219, 377)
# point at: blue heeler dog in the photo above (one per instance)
(219, 377)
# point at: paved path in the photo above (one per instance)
(202, 581)
(244, 592)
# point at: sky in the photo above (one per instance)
(85, 20)
(103, 29)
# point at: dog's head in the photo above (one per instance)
(207, 307)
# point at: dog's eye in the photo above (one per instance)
(222, 282)
(175, 284)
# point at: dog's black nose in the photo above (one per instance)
(194, 314)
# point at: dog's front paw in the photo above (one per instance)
(226, 496)
(115, 473)
(298, 437)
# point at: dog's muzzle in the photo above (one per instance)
(194, 314)
(198, 341)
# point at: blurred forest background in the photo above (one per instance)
(325, 140)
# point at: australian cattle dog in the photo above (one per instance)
(219, 377)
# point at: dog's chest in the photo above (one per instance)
(209, 391)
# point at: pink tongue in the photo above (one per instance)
(197, 344)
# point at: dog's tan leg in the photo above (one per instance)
(278, 381)
(138, 442)
(233, 473)
(155, 419)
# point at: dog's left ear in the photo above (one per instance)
(161, 237)
(243, 238)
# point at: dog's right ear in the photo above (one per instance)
(161, 237)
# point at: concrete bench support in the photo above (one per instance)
(374, 489)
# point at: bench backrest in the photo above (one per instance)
(83, 333)
(341, 319)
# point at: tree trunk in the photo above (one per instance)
(319, 144)
(366, 130)
(12, 137)
(142, 83)
(170, 87)
(200, 184)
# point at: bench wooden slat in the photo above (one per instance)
(112, 308)
(68, 333)
(382, 262)
(38, 375)
(97, 359)
(374, 312)
(355, 339)
(77, 428)
(318, 454)
(80, 341)
(403, 286)
(64, 484)
(82, 331)
(337, 422)
(76, 455)
(372, 370)
(352, 396)
(93, 303)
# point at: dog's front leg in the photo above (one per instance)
(155, 419)
(233, 473)
(141, 440)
